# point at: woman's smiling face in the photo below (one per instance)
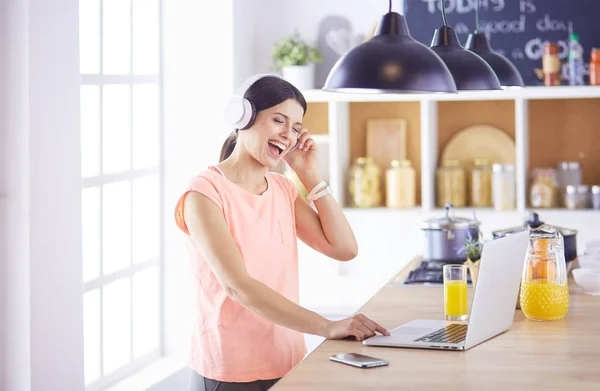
(274, 132)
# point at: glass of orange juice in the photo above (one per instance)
(455, 292)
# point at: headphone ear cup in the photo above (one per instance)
(249, 115)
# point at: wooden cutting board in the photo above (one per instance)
(386, 141)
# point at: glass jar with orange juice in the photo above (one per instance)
(544, 290)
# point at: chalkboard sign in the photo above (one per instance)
(517, 29)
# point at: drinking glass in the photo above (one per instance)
(455, 292)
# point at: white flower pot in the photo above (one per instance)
(301, 76)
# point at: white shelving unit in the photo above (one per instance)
(339, 129)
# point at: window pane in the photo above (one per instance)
(116, 227)
(146, 214)
(145, 36)
(90, 232)
(91, 335)
(146, 123)
(116, 34)
(89, 36)
(90, 131)
(116, 324)
(116, 129)
(145, 311)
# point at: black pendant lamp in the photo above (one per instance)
(470, 72)
(507, 73)
(390, 62)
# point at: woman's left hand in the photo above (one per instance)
(303, 158)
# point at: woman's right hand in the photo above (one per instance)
(358, 326)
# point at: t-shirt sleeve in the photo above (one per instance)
(203, 186)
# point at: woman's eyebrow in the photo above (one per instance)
(286, 117)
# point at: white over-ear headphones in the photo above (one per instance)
(240, 112)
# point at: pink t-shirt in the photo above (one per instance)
(232, 343)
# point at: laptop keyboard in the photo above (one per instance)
(453, 333)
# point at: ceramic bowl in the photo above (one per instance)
(589, 261)
(588, 279)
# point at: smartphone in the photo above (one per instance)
(358, 360)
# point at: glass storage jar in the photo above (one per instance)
(400, 185)
(596, 197)
(364, 184)
(451, 184)
(567, 173)
(504, 186)
(543, 193)
(578, 197)
(481, 184)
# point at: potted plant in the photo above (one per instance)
(296, 59)
(472, 249)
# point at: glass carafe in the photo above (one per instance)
(544, 290)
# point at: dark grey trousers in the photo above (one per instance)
(201, 383)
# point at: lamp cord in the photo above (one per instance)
(443, 8)
(390, 7)
(477, 18)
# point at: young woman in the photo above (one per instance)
(243, 222)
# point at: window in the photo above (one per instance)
(121, 186)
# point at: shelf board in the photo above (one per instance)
(560, 92)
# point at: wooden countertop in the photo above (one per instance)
(562, 355)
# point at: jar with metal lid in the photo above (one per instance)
(596, 197)
(481, 184)
(543, 188)
(567, 173)
(364, 184)
(504, 186)
(400, 185)
(578, 197)
(451, 184)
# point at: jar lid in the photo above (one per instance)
(581, 189)
(361, 160)
(503, 167)
(401, 163)
(449, 222)
(569, 166)
(451, 163)
(595, 189)
(481, 162)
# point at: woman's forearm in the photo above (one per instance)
(264, 301)
(333, 221)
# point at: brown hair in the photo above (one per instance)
(264, 93)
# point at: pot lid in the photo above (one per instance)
(449, 221)
(533, 222)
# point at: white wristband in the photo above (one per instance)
(320, 186)
(314, 197)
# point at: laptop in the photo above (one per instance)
(492, 310)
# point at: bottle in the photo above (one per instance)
(575, 61)
(400, 185)
(365, 184)
(451, 184)
(544, 290)
(481, 184)
(595, 67)
(551, 65)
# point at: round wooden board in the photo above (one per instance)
(480, 142)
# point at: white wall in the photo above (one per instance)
(274, 19)
(42, 342)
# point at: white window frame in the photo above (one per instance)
(100, 180)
